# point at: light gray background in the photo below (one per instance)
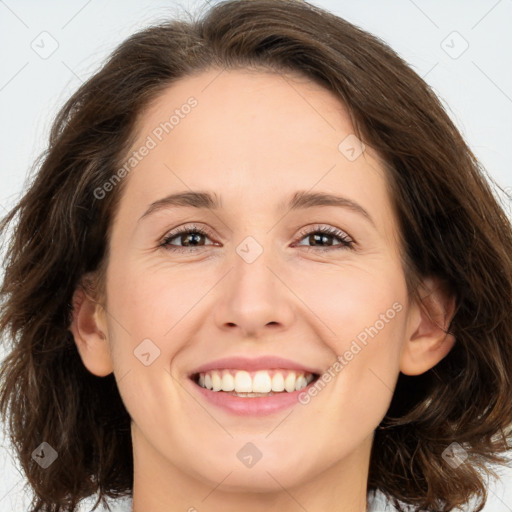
(461, 48)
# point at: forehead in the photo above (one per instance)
(248, 110)
(253, 136)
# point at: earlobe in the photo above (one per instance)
(88, 328)
(429, 341)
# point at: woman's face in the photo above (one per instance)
(262, 282)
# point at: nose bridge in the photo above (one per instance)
(254, 296)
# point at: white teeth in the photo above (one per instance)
(260, 383)
(289, 382)
(300, 383)
(216, 381)
(228, 382)
(278, 382)
(243, 382)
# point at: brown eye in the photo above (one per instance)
(324, 235)
(190, 237)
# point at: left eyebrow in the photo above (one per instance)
(303, 199)
(300, 200)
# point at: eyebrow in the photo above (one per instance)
(300, 200)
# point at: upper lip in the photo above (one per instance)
(258, 363)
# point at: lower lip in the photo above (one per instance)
(251, 406)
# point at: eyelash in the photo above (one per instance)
(346, 241)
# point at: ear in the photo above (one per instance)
(89, 329)
(428, 342)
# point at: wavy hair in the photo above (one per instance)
(451, 226)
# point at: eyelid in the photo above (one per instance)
(325, 228)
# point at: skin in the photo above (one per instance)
(255, 138)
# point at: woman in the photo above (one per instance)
(258, 269)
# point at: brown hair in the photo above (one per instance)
(451, 227)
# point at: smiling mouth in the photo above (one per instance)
(261, 383)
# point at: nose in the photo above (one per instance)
(254, 298)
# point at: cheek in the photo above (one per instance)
(150, 300)
(369, 364)
(363, 313)
(146, 321)
(145, 333)
(353, 300)
(359, 385)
